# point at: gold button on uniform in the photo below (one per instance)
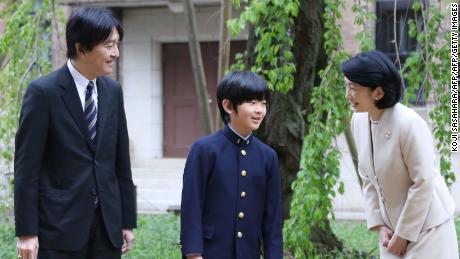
(243, 173)
(243, 194)
(239, 234)
(243, 152)
(241, 215)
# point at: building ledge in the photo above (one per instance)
(133, 3)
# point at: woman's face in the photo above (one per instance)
(362, 99)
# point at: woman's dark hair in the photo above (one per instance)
(239, 87)
(90, 26)
(372, 69)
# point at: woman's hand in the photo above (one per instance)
(397, 245)
(385, 234)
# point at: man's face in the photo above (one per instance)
(249, 116)
(101, 58)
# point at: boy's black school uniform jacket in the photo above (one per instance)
(231, 201)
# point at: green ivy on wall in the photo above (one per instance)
(25, 50)
(274, 58)
(428, 68)
(316, 183)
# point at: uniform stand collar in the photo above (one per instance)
(235, 138)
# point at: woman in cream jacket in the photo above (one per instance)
(406, 198)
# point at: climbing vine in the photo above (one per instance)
(25, 51)
(428, 68)
(363, 16)
(274, 57)
(316, 183)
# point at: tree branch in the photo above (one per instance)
(395, 40)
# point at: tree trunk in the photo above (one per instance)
(250, 57)
(285, 124)
(224, 50)
(353, 152)
(197, 66)
(290, 111)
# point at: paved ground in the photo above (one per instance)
(159, 186)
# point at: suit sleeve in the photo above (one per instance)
(272, 223)
(193, 193)
(123, 169)
(30, 143)
(371, 197)
(418, 153)
(371, 203)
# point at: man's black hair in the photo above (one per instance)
(90, 26)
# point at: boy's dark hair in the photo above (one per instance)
(90, 26)
(239, 87)
(372, 69)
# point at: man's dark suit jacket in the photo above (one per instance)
(57, 170)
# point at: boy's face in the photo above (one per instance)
(248, 115)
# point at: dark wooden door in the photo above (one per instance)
(182, 120)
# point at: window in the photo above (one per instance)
(386, 28)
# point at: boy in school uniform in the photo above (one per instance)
(231, 196)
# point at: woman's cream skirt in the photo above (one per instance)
(439, 242)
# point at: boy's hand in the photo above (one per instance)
(194, 257)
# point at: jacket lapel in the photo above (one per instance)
(72, 101)
(104, 103)
(382, 135)
(368, 152)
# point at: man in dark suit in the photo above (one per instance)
(73, 191)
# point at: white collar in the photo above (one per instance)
(245, 138)
(80, 80)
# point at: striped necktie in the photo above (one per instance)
(91, 112)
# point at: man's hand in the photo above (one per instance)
(397, 245)
(27, 247)
(385, 234)
(128, 237)
(194, 257)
